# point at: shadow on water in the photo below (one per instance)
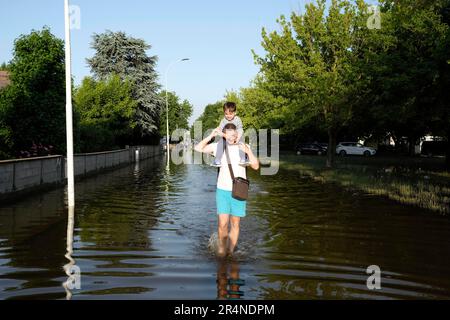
(142, 232)
(229, 283)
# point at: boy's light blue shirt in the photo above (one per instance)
(236, 121)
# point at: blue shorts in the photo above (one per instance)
(226, 204)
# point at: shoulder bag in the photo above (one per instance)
(240, 185)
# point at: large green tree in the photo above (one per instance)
(106, 109)
(400, 68)
(32, 107)
(125, 56)
(309, 64)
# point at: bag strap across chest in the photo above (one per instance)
(230, 167)
(228, 161)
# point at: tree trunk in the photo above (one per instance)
(331, 152)
(447, 151)
(394, 137)
(412, 146)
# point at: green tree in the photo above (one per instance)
(106, 110)
(400, 68)
(258, 108)
(309, 64)
(211, 116)
(6, 136)
(117, 53)
(32, 108)
(179, 113)
(4, 66)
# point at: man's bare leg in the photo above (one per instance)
(222, 234)
(234, 233)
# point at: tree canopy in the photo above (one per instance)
(32, 107)
(326, 71)
(106, 109)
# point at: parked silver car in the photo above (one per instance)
(354, 148)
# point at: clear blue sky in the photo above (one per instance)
(216, 35)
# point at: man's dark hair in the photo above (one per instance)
(229, 126)
(230, 106)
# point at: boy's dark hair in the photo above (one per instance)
(229, 126)
(230, 106)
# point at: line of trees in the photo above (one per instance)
(120, 104)
(326, 75)
(179, 113)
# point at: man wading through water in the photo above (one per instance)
(229, 210)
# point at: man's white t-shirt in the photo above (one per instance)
(224, 181)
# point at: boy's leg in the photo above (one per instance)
(242, 155)
(234, 281)
(219, 153)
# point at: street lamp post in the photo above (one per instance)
(167, 110)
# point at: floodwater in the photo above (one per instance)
(142, 232)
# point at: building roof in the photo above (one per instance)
(4, 79)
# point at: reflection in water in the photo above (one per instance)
(228, 281)
(322, 240)
(72, 271)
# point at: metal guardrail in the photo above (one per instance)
(19, 175)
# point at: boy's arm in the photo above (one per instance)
(221, 126)
(203, 145)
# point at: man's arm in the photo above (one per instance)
(239, 127)
(220, 128)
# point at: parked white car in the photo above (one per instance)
(354, 148)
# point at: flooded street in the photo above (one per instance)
(142, 232)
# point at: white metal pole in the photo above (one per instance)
(70, 266)
(167, 125)
(69, 130)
